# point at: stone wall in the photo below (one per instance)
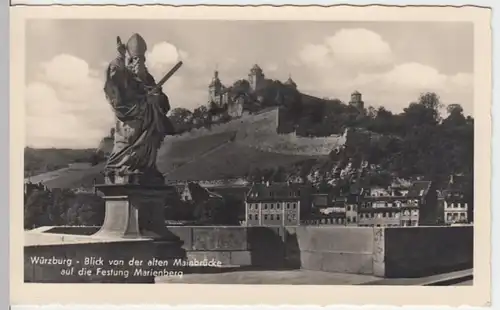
(423, 251)
(258, 247)
(69, 261)
(336, 249)
(384, 252)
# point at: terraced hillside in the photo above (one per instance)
(259, 131)
(175, 153)
(231, 160)
(81, 177)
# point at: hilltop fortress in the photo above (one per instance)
(234, 100)
(254, 109)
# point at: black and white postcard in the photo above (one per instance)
(242, 155)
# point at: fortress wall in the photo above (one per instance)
(260, 131)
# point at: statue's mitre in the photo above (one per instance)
(136, 45)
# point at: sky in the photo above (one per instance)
(390, 63)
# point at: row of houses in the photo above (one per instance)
(419, 204)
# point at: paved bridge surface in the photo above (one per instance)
(307, 277)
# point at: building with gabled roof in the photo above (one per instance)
(456, 203)
(398, 206)
(276, 204)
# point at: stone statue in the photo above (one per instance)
(140, 108)
(134, 190)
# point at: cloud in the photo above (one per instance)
(66, 107)
(359, 59)
(162, 57)
(404, 82)
(348, 48)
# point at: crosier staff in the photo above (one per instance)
(122, 50)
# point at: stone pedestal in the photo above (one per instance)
(135, 211)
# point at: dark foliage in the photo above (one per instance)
(58, 207)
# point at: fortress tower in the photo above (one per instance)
(290, 82)
(357, 101)
(255, 77)
(215, 90)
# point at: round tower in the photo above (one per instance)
(357, 101)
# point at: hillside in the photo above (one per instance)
(231, 160)
(259, 130)
(37, 161)
(228, 150)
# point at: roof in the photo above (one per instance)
(200, 193)
(419, 188)
(290, 82)
(256, 68)
(321, 200)
(275, 191)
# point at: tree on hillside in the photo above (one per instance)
(201, 117)
(86, 209)
(60, 204)
(455, 116)
(182, 119)
(424, 112)
(35, 209)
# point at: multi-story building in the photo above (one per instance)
(414, 206)
(456, 203)
(276, 204)
(326, 210)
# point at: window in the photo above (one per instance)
(272, 206)
(265, 216)
(294, 205)
(278, 217)
(265, 206)
(288, 205)
(298, 193)
(278, 206)
(348, 219)
(249, 216)
(354, 219)
(256, 216)
(272, 217)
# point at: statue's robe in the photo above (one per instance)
(141, 121)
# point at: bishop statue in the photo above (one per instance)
(140, 107)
